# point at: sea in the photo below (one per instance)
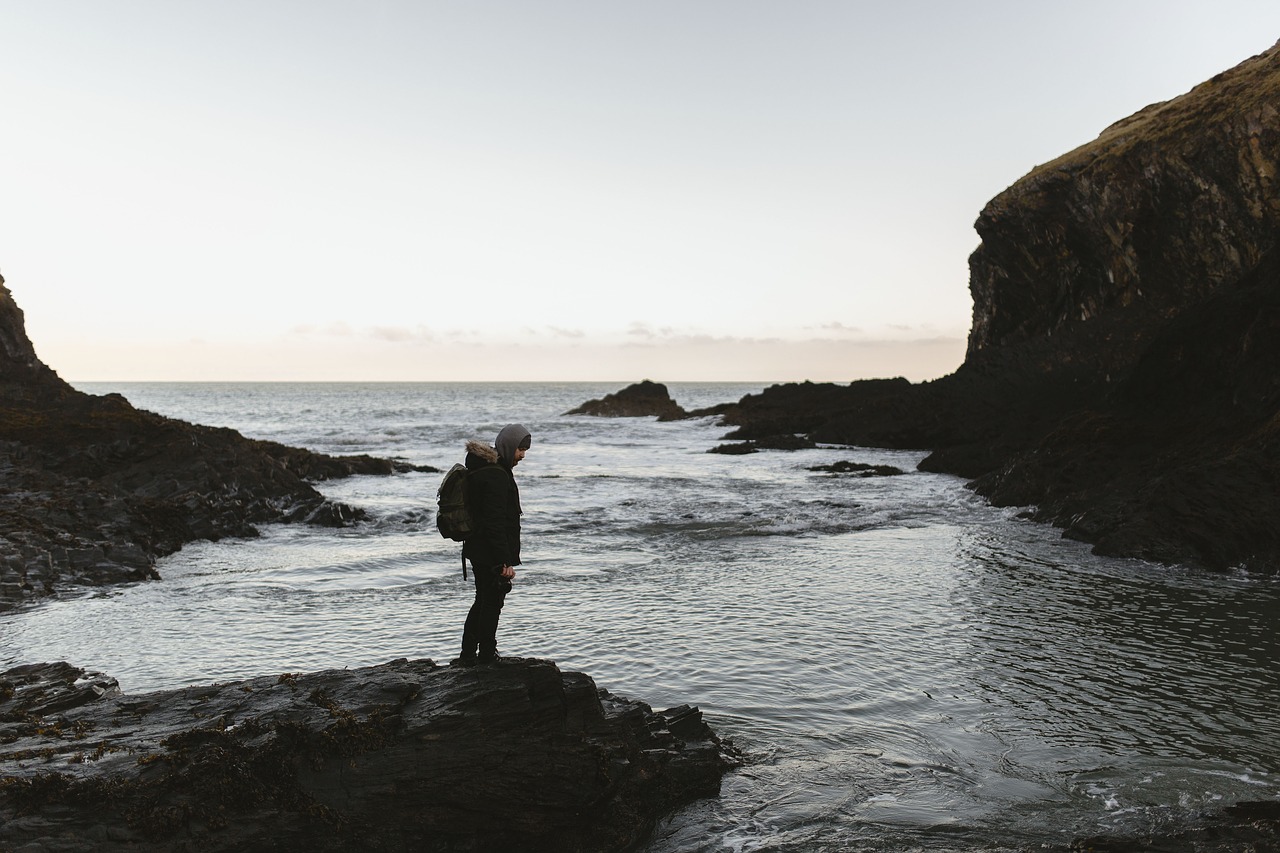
(904, 667)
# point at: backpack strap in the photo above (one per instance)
(464, 566)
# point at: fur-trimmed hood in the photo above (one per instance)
(483, 450)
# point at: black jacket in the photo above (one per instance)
(493, 499)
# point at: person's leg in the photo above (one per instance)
(494, 597)
(476, 627)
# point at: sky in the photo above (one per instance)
(718, 190)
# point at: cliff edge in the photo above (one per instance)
(1121, 374)
(94, 490)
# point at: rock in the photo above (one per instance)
(1160, 211)
(787, 441)
(407, 756)
(741, 448)
(643, 399)
(1120, 374)
(768, 442)
(95, 490)
(862, 469)
(1178, 463)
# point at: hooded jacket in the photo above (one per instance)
(494, 501)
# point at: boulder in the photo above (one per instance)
(643, 399)
(406, 756)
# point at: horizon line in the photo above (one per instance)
(624, 382)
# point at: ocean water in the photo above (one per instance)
(905, 667)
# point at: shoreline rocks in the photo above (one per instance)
(403, 756)
(94, 490)
(768, 442)
(858, 469)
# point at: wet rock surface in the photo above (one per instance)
(1121, 376)
(93, 491)
(403, 756)
(768, 442)
(643, 399)
(858, 469)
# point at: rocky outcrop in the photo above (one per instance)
(92, 490)
(768, 442)
(1120, 374)
(858, 469)
(643, 399)
(407, 756)
(1158, 213)
(1178, 463)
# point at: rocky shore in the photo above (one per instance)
(403, 756)
(1121, 379)
(96, 490)
(1121, 382)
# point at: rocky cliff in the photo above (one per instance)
(1159, 212)
(404, 756)
(92, 490)
(1121, 374)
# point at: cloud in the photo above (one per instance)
(402, 334)
(467, 356)
(644, 330)
(337, 329)
(386, 334)
(837, 327)
(558, 332)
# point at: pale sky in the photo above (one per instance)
(544, 190)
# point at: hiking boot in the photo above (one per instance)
(490, 660)
(464, 660)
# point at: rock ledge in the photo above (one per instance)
(403, 756)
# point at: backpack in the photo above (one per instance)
(453, 519)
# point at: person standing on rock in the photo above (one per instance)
(493, 500)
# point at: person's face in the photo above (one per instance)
(515, 460)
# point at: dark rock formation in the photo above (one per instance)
(741, 448)
(1179, 462)
(1122, 364)
(768, 442)
(860, 469)
(643, 399)
(92, 490)
(406, 756)
(1159, 212)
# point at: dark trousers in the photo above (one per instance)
(481, 629)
